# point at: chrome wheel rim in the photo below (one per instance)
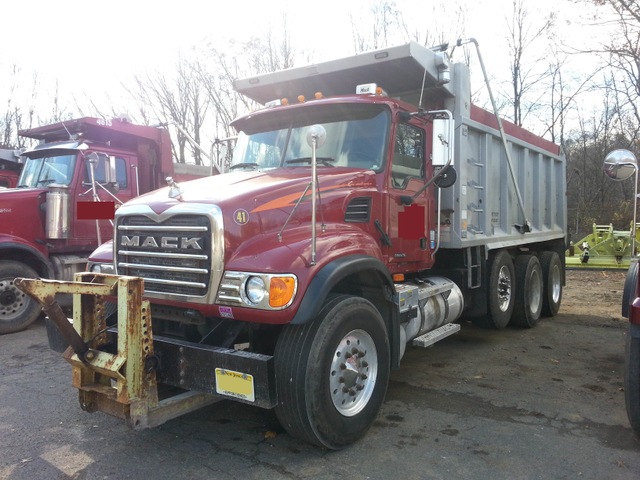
(504, 288)
(556, 284)
(535, 290)
(12, 300)
(353, 372)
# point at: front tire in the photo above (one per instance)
(332, 373)
(17, 309)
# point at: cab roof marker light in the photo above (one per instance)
(381, 93)
(370, 89)
(366, 89)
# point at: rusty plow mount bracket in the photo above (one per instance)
(120, 384)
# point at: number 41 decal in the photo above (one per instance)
(241, 216)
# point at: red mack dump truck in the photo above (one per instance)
(369, 206)
(46, 229)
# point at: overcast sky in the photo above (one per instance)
(90, 46)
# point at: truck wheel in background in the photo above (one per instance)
(17, 309)
(528, 295)
(552, 279)
(501, 292)
(632, 378)
(332, 373)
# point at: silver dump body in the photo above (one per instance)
(482, 208)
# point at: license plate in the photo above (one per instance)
(235, 384)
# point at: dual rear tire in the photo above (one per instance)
(17, 309)
(523, 290)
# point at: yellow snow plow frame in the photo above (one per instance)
(123, 383)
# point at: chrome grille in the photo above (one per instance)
(172, 256)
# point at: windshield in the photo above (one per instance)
(356, 138)
(43, 171)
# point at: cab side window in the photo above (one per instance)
(99, 172)
(408, 155)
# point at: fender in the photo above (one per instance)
(330, 275)
(43, 267)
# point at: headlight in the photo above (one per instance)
(101, 268)
(265, 291)
(255, 290)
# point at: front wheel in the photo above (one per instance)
(17, 309)
(332, 373)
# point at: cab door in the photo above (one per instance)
(122, 187)
(408, 224)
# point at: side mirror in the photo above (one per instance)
(101, 162)
(620, 165)
(110, 170)
(446, 178)
(318, 133)
(442, 146)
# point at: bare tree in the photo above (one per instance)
(562, 89)
(523, 34)
(385, 24)
(592, 197)
(379, 28)
(624, 53)
(178, 99)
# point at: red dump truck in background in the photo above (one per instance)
(70, 185)
(369, 206)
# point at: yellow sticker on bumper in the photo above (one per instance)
(235, 384)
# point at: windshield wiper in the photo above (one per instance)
(253, 166)
(326, 161)
(46, 180)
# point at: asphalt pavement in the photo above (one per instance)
(545, 403)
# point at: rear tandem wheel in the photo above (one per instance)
(500, 293)
(529, 288)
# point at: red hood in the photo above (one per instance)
(256, 203)
(21, 218)
(257, 191)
